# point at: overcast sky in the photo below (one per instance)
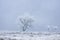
(46, 12)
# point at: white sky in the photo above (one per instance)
(47, 12)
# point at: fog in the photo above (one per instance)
(46, 12)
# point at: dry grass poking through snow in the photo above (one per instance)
(29, 36)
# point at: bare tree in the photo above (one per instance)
(26, 22)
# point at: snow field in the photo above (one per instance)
(29, 36)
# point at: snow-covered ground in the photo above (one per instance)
(29, 36)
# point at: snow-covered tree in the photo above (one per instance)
(25, 22)
(52, 28)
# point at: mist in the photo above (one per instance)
(46, 12)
